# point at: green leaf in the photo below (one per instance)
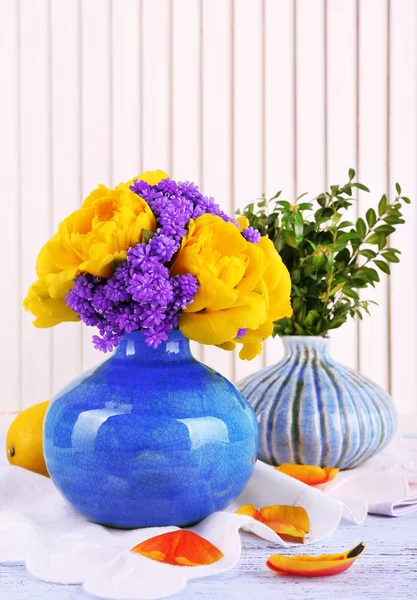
(387, 229)
(277, 195)
(360, 186)
(371, 217)
(394, 220)
(398, 188)
(271, 218)
(406, 200)
(329, 262)
(368, 253)
(305, 206)
(318, 259)
(298, 226)
(382, 242)
(147, 235)
(361, 227)
(287, 219)
(383, 265)
(351, 174)
(336, 322)
(370, 273)
(345, 224)
(299, 329)
(290, 238)
(283, 203)
(311, 318)
(372, 239)
(347, 236)
(351, 293)
(280, 241)
(382, 205)
(390, 256)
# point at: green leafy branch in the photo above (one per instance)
(330, 259)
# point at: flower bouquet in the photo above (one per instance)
(153, 255)
(152, 436)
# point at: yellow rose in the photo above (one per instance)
(242, 285)
(151, 177)
(278, 282)
(47, 309)
(93, 239)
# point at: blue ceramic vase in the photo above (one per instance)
(312, 410)
(150, 438)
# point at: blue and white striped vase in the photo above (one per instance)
(312, 410)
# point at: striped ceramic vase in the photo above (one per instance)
(312, 410)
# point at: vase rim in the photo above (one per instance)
(138, 334)
(324, 338)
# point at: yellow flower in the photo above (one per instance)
(93, 239)
(47, 309)
(151, 177)
(242, 285)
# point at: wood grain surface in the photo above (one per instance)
(387, 569)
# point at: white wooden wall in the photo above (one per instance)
(242, 96)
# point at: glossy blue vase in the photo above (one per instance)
(150, 437)
(312, 410)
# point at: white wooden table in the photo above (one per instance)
(387, 569)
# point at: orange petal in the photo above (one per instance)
(331, 472)
(181, 547)
(314, 566)
(309, 474)
(250, 511)
(296, 515)
(290, 522)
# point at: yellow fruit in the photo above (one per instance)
(24, 439)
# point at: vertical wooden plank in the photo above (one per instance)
(310, 98)
(96, 149)
(310, 138)
(10, 302)
(248, 119)
(279, 163)
(341, 133)
(216, 92)
(372, 171)
(186, 91)
(186, 99)
(126, 90)
(403, 160)
(157, 82)
(35, 186)
(66, 172)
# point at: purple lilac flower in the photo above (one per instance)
(105, 343)
(251, 235)
(141, 294)
(241, 332)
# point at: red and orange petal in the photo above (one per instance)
(309, 474)
(314, 566)
(289, 522)
(181, 548)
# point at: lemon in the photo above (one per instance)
(24, 439)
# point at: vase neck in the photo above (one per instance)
(175, 348)
(294, 344)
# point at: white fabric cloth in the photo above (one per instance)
(387, 483)
(39, 528)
